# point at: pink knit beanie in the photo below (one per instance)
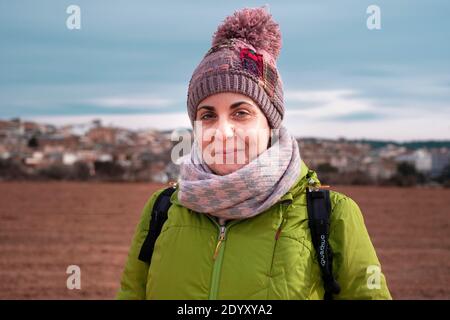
(242, 59)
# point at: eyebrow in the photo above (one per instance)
(233, 106)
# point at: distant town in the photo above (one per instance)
(94, 152)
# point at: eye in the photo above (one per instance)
(206, 116)
(241, 114)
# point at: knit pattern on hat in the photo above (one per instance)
(242, 59)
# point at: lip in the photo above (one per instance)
(227, 152)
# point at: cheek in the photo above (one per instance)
(261, 136)
(207, 137)
(206, 146)
(262, 142)
(204, 142)
(255, 141)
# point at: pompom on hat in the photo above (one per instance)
(242, 59)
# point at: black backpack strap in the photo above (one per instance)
(319, 210)
(158, 217)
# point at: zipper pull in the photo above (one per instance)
(221, 238)
(283, 220)
(277, 235)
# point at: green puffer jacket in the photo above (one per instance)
(250, 263)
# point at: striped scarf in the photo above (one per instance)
(246, 192)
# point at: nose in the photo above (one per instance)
(225, 132)
(225, 128)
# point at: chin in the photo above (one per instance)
(224, 169)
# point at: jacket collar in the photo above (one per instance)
(300, 184)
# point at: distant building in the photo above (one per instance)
(37, 159)
(70, 142)
(380, 168)
(440, 158)
(160, 177)
(391, 151)
(102, 135)
(69, 158)
(427, 161)
(145, 155)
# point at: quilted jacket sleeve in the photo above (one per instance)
(134, 276)
(355, 265)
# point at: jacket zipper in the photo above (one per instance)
(283, 220)
(218, 257)
(277, 235)
(220, 240)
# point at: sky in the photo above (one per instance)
(131, 62)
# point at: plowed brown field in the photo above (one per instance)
(45, 227)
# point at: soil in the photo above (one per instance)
(47, 226)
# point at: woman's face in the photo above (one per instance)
(232, 131)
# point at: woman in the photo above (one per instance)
(237, 225)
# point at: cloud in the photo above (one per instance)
(428, 127)
(160, 121)
(122, 65)
(131, 102)
(353, 114)
(328, 104)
